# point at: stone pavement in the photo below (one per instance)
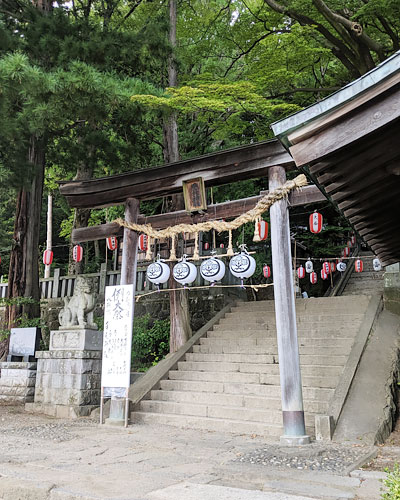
(44, 458)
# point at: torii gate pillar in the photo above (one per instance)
(285, 312)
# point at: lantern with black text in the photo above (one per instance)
(341, 267)
(346, 252)
(242, 265)
(47, 257)
(324, 276)
(301, 272)
(263, 230)
(376, 263)
(358, 265)
(212, 269)
(313, 278)
(267, 272)
(309, 266)
(158, 272)
(77, 253)
(315, 222)
(112, 243)
(326, 268)
(184, 272)
(333, 267)
(143, 242)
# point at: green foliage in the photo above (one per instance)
(392, 484)
(150, 341)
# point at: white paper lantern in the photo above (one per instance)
(184, 272)
(341, 267)
(242, 265)
(377, 264)
(158, 272)
(212, 269)
(309, 266)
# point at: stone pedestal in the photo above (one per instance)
(17, 382)
(68, 378)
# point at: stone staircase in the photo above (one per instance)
(369, 282)
(230, 380)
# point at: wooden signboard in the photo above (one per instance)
(117, 341)
(194, 194)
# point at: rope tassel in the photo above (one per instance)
(257, 229)
(229, 252)
(172, 255)
(196, 255)
(148, 252)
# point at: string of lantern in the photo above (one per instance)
(242, 265)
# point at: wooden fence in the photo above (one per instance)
(59, 286)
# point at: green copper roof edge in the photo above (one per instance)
(384, 70)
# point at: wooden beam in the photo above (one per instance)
(227, 210)
(232, 165)
(285, 314)
(364, 120)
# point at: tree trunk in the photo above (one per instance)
(23, 280)
(180, 331)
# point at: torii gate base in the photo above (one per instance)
(285, 312)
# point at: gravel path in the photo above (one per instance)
(332, 458)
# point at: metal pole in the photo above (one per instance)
(285, 311)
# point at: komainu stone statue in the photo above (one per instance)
(77, 312)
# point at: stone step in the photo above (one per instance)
(272, 416)
(302, 317)
(368, 274)
(232, 331)
(271, 350)
(237, 400)
(317, 341)
(210, 424)
(267, 391)
(311, 304)
(326, 360)
(250, 378)
(270, 369)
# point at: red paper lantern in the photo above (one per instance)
(346, 252)
(206, 245)
(353, 240)
(112, 243)
(358, 264)
(266, 271)
(333, 267)
(313, 278)
(326, 268)
(143, 239)
(221, 245)
(47, 257)
(301, 272)
(324, 276)
(77, 253)
(263, 230)
(315, 222)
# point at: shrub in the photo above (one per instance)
(392, 483)
(150, 341)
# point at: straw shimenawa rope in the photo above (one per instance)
(250, 216)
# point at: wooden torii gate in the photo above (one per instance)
(266, 158)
